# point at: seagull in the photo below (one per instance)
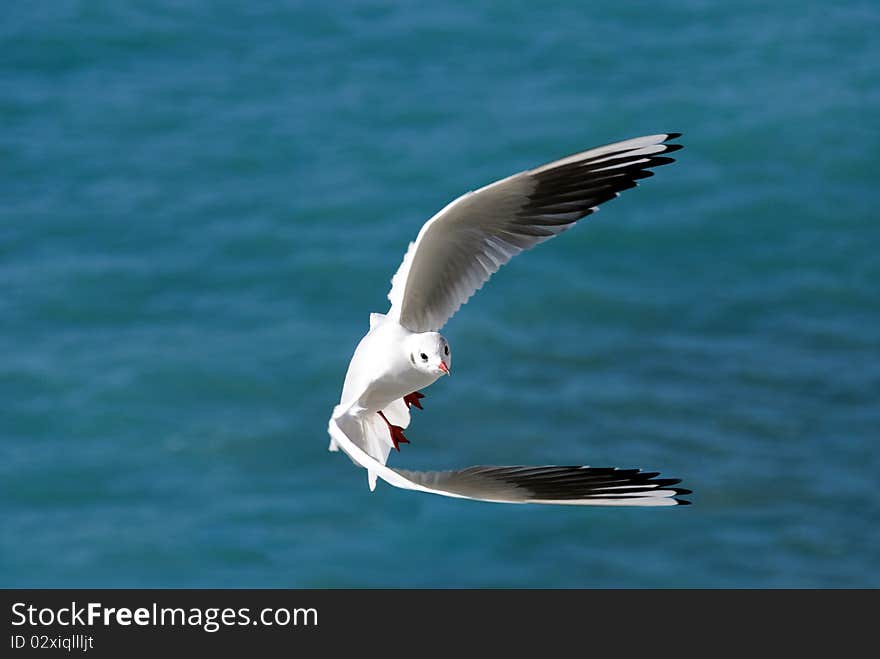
(454, 254)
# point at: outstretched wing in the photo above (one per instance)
(464, 244)
(573, 486)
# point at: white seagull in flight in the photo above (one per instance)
(454, 254)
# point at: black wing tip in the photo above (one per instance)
(681, 492)
(672, 147)
(657, 161)
(662, 483)
(580, 482)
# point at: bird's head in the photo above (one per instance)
(429, 352)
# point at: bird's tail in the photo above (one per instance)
(370, 433)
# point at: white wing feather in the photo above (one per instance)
(463, 245)
(573, 486)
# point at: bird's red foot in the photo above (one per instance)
(397, 437)
(413, 399)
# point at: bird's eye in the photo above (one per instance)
(446, 349)
(424, 357)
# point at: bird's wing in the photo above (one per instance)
(573, 486)
(464, 244)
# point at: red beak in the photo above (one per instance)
(444, 367)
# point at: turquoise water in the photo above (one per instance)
(202, 202)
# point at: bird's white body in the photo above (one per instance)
(380, 372)
(454, 254)
(383, 370)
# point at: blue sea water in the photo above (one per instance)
(201, 203)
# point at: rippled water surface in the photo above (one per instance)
(200, 203)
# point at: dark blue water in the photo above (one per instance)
(200, 204)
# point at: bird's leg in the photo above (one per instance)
(397, 437)
(413, 399)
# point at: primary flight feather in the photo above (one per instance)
(454, 254)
